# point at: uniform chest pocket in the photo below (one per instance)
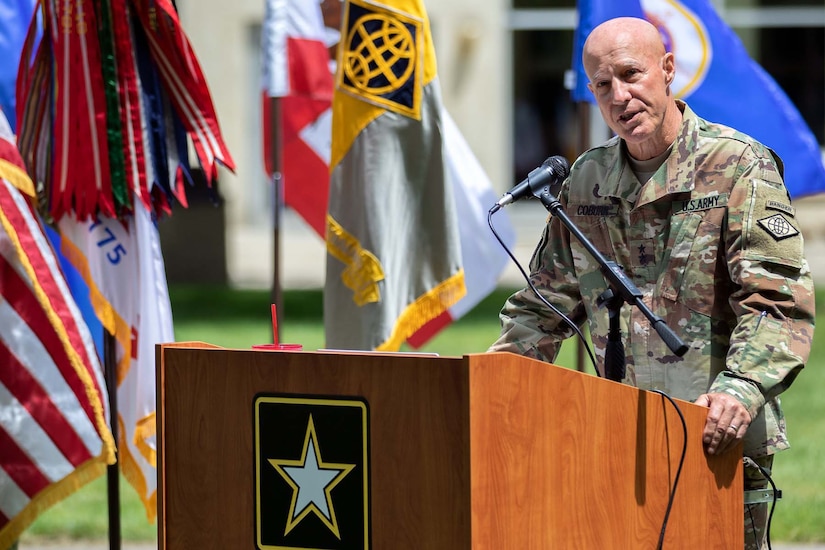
(690, 275)
(595, 228)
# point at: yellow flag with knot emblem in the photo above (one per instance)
(394, 256)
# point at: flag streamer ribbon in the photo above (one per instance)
(107, 100)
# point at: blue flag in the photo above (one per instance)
(717, 77)
(15, 16)
(79, 289)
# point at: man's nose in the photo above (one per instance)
(621, 91)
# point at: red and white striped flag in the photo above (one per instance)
(54, 432)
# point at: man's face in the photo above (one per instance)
(630, 82)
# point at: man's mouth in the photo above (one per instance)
(627, 116)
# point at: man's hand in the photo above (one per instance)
(727, 421)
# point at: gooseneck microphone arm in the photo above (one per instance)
(622, 287)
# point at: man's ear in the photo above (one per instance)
(669, 67)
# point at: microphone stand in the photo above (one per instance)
(621, 290)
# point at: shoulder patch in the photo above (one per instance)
(769, 234)
(778, 227)
(782, 207)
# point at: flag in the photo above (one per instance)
(116, 84)
(107, 131)
(122, 267)
(296, 73)
(54, 431)
(482, 256)
(15, 16)
(719, 80)
(393, 250)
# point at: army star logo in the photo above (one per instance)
(312, 481)
(778, 227)
(312, 472)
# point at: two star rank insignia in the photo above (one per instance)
(311, 473)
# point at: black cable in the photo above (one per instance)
(553, 308)
(767, 473)
(678, 470)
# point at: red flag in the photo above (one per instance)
(79, 113)
(296, 70)
(54, 434)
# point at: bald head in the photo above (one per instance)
(621, 33)
(630, 73)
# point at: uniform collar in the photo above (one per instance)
(674, 176)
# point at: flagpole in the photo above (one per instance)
(276, 158)
(113, 470)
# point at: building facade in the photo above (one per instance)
(504, 68)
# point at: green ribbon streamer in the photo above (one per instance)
(114, 128)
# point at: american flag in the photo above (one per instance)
(54, 432)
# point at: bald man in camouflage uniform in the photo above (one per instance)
(698, 217)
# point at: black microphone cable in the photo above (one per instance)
(672, 496)
(553, 308)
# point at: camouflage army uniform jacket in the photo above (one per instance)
(712, 243)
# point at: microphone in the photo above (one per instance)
(553, 170)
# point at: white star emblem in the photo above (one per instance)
(312, 481)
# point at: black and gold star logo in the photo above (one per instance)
(311, 473)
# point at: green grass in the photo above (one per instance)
(798, 472)
(239, 319)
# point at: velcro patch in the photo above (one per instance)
(700, 203)
(600, 210)
(782, 207)
(778, 227)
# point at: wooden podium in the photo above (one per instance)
(486, 451)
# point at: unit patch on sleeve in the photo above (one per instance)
(778, 227)
(782, 207)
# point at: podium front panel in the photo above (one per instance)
(419, 469)
(489, 451)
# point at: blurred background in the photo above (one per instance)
(505, 70)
